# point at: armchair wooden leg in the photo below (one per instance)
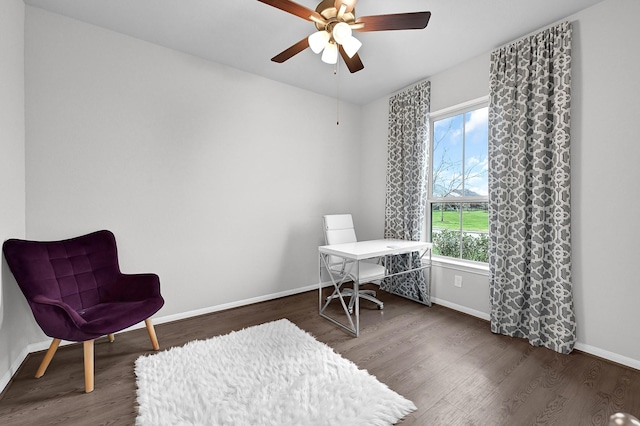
(152, 334)
(88, 366)
(112, 338)
(47, 358)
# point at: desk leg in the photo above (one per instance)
(337, 286)
(319, 283)
(356, 289)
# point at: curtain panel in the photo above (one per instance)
(529, 190)
(406, 193)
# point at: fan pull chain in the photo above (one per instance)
(335, 72)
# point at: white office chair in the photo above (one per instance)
(338, 229)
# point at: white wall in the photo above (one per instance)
(369, 219)
(13, 309)
(605, 172)
(213, 178)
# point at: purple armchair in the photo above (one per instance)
(77, 292)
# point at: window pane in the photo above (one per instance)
(447, 156)
(475, 217)
(459, 166)
(445, 229)
(475, 232)
(468, 239)
(476, 132)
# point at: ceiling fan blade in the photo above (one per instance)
(294, 8)
(292, 51)
(398, 21)
(354, 64)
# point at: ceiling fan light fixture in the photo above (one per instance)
(335, 21)
(351, 46)
(330, 54)
(341, 32)
(318, 41)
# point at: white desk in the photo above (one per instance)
(355, 252)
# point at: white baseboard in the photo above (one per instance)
(460, 308)
(39, 346)
(43, 345)
(209, 310)
(591, 350)
(610, 356)
(13, 368)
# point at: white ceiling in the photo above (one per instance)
(246, 34)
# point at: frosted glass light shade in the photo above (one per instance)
(341, 32)
(330, 54)
(351, 46)
(318, 41)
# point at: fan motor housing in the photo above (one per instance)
(327, 9)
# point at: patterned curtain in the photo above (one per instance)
(529, 190)
(407, 165)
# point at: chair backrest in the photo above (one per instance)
(73, 271)
(338, 229)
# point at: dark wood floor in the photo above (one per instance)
(449, 364)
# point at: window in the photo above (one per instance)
(458, 196)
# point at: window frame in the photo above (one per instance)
(453, 262)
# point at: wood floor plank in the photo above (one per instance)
(449, 364)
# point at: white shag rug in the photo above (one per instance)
(270, 374)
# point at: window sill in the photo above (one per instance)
(460, 265)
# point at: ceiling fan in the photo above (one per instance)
(335, 20)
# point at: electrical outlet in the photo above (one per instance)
(458, 281)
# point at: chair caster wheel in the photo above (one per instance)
(380, 307)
